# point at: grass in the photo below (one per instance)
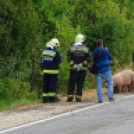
(10, 104)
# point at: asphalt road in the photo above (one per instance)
(107, 118)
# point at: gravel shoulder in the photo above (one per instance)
(27, 114)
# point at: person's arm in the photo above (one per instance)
(41, 62)
(108, 55)
(41, 65)
(69, 55)
(88, 56)
(58, 58)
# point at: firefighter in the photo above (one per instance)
(50, 66)
(78, 56)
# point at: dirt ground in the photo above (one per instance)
(27, 114)
(87, 95)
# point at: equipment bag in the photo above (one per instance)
(92, 69)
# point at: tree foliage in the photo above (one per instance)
(26, 26)
(108, 20)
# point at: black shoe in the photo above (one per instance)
(111, 99)
(53, 100)
(69, 99)
(45, 99)
(78, 100)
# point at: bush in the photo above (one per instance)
(12, 91)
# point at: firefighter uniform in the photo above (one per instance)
(78, 57)
(50, 60)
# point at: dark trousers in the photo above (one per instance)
(77, 78)
(49, 83)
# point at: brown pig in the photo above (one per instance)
(131, 73)
(121, 81)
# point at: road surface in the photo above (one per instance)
(106, 118)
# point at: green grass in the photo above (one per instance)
(10, 104)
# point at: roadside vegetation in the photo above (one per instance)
(26, 26)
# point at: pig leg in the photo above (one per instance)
(115, 89)
(129, 88)
(124, 88)
(119, 87)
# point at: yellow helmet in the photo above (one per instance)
(79, 38)
(54, 42)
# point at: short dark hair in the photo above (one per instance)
(99, 42)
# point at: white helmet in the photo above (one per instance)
(54, 42)
(79, 38)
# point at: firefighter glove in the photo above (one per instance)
(78, 68)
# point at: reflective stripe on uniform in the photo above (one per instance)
(45, 94)
(78, 97)
(70, 96)
(51, 94)
(71, 62)
(85, 62)
(49, 53)
(51, 71)
(81, 50)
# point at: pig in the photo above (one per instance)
(121, 81)
(131, 73)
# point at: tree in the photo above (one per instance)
(103, 19)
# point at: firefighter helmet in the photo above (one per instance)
(79, 38)
(54, 42)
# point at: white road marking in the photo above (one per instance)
(62, 115)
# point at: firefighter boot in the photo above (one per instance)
(53, 100)
(69, 99)
(45, 99)
(78, 100)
